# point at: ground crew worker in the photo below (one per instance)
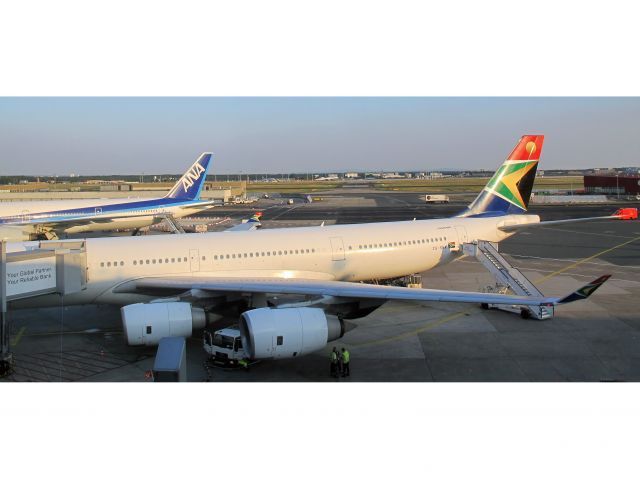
(244, 363)
(346, 357)
(333, 357)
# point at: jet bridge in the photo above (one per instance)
(507, 277)
(51, 267)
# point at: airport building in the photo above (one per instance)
(612, 184)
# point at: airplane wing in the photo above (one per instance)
(621, 214)
(339, 289)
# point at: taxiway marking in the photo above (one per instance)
(584, 260)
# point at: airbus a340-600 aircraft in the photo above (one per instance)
(169, 285)
(24, 220)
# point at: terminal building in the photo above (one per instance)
(612, 184)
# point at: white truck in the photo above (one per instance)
(436, 199)
(224, 346)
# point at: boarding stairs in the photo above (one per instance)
(508, 276)
(174, 226)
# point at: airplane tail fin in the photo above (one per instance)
(509, 189)
(189, 186)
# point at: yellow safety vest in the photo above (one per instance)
(345, 356)
(334, 356)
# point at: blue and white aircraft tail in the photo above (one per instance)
(190, 184)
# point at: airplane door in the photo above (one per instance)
(462, 235)
(337, 249)
(195, 259)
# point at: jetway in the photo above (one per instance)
(509, 277)
(58, 267)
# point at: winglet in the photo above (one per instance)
(189, 186)
(586, 291)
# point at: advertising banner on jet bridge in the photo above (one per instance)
(31, 276)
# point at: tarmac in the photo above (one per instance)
(593, 340)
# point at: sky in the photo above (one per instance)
(134, 135)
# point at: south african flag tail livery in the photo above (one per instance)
(509, 189)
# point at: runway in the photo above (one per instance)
(593, 340)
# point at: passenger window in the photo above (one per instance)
(233, 256)
(108, 263)
(147, 261)
(179, 260)
(153, 261)
(313, 250)
(121, 263)
(173, 260)
(203, 258)
(307, 251)
(102, 265)
(215, 257)
(245, 255)
(297, 250)
(262, 254)
(250, 255)
(285, 252)
(280, 340)
(185, 259)
(280, 253)
(148, 329)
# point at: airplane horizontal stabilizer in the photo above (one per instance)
(621, 214)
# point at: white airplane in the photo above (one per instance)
(170, 285)
(24, 220)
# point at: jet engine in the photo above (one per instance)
(287, 332)
(147, 323)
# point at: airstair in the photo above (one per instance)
(507, 277)
(174, 226)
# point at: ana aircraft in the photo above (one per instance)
(169, 285)
(25, 220)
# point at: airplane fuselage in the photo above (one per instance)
(341, 252)
(96, 215)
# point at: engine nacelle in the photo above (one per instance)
(147, 323)
(286, 333)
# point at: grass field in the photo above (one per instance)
(445, 185)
